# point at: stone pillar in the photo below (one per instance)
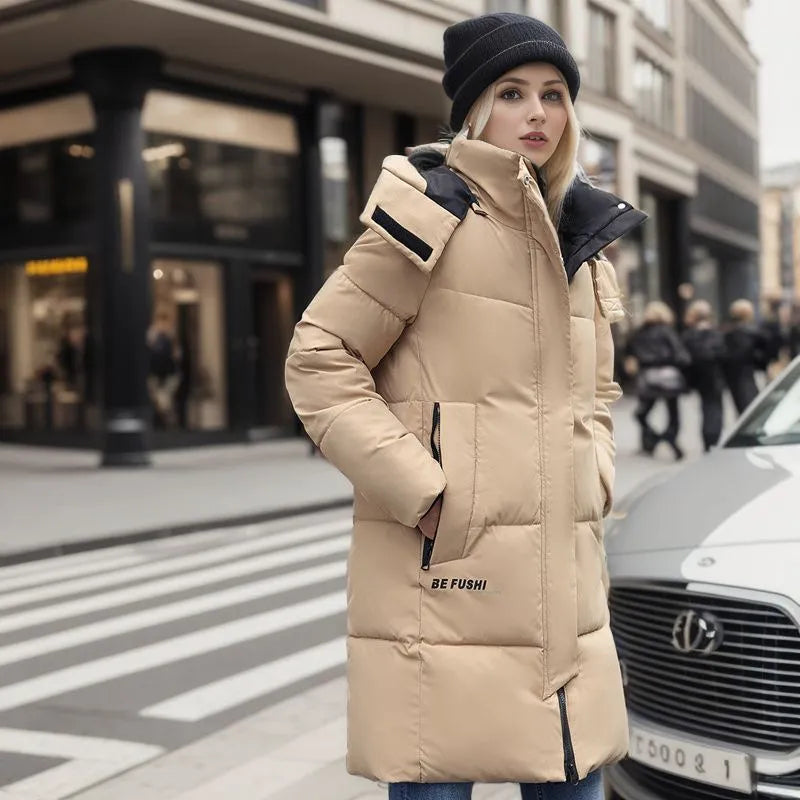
(117, 81)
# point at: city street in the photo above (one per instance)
(131, 661)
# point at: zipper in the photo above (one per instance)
(436, 449)
(570, 768)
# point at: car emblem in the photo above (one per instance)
(696, 632)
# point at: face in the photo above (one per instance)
(529, 114)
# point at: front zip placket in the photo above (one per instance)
(570, 768)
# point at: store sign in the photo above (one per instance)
(57, 266)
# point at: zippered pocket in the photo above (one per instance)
(570, 768)
(453, 446)
(436, 450)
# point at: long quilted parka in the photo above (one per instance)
(464, 347)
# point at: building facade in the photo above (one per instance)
(180, 177)
(780, 236)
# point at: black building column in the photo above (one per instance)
(117, 81)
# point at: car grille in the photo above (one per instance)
(671, 787)
(746, 693)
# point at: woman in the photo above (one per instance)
(706, 348)
(746, 352)
(458, 370)
(661, 359)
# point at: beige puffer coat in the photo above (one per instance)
(477, 370)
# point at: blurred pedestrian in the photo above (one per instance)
(661, 359)
(794, 332)
(164, 375)
(706, 347)
(773, 338)
(458, 368)
(745, 353)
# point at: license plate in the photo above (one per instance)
(725, 768)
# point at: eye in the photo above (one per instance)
(510, 94)
(553, 96)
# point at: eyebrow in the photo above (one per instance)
(523, 82)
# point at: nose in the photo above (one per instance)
(536, 112)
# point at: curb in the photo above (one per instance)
(50, 551)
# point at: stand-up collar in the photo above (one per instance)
(496, 176)
(590, 219)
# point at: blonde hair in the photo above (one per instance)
(699, 311)
(742, 311)
(560, 169)
(658, 312)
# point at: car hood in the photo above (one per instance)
(732, 496)
(732, 517)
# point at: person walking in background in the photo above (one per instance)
(745, 352)
(794, 332)
(773, 338)
(661, 358)
(706, 347)
(458, 369)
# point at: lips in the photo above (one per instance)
(535, 136)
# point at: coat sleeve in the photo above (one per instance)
(608, 309)
(359, 313)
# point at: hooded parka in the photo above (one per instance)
(466, 356)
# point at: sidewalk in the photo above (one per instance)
(59, 500)
(56, 501)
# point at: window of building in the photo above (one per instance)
(47, 182)
(654, 93)
(187, 381)
(516, 6)
(553, 14)
(598, 157)
(44, 346)
(657, 12)
(717, 132)
(222, 172)
(600, 72)
(708, 48)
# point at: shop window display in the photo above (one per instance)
(45, 358)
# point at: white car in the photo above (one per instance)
(705, 610)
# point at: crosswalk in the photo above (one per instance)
(113, 657)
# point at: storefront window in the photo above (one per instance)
(598, 157)
(223, 173)
(47, 182)
(44, 347)
(187, 376)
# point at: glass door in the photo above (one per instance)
(273, 319)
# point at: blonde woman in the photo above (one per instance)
(662, 359)
(746, 351)
(458, 369)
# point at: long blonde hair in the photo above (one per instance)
(560, 169)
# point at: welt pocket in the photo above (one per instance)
(453, 445)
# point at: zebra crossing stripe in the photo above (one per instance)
(170, 612)
(91, 760)
(68, 571)
(178, 564)
(234, 690)
(178, 583)
(169, 651)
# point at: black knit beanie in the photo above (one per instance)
(478, 51)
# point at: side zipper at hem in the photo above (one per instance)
(436, 449)
(570, 768)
